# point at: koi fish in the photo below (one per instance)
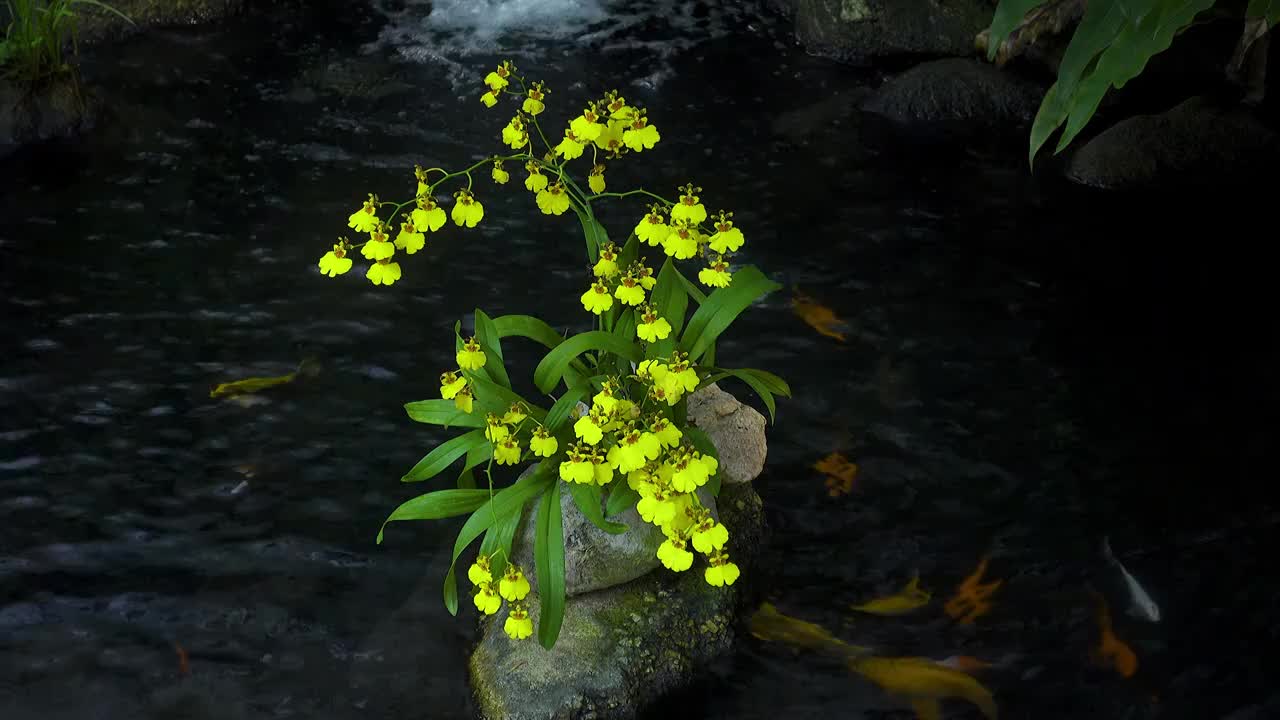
(971, 599)
(1111, 650)
(965, 664)
(772, 626)
(819, 317)
(910, 598)
(1140, 603)
(308, 367)
(923, 683)
(839, 471)
(184, 664)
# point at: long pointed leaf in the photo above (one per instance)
(722, 307)
(441, 412)
(548, 373)
(498, 538)
(503, 501)
(548, 555)
(436, 506)
(443, 456)
(590, 501)
(491, 342)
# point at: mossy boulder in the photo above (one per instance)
(622, 648)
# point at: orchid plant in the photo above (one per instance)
(615, 434)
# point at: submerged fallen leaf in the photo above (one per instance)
(839, 471)
(819, 317)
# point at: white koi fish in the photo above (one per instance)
(1140, 603)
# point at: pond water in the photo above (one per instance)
(1027, 368)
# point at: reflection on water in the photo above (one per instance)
(175, 249)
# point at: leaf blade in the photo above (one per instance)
(548, 556)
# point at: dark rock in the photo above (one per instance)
(99, 24)
(621, 649)
(1196, 143)
(955, 98)
(59, 109)
(862, 31)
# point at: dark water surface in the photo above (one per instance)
(1027, 369)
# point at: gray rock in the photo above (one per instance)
(1195, 143)
(594, 559)
(862, 31)
(955, 96)
(735, 429)
(620, 649)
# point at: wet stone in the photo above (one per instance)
(620, 649)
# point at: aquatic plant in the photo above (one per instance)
(32, 51)
(632, 446)
(1111, 46)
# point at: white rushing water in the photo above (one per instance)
(446, 32)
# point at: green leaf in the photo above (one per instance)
(630, 251)
(491, 342)
(441, 412)
(594, 234)
(443, 456)
(1126, 56)
(1007, 16)
(490, 397)
(765, 384)
(548, 557)
(590, 501)
(548, 373)
(540, 332)
(561, 411)
(476, 456)
(1268, 10)
(436, 506)
(694, 291)
(527, 326)
(483, 518)
(722, 307)
(621, 497)
(498, 539)
(670, 299)
(1101, 22)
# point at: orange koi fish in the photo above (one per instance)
(839, 471)
(772, 626)
(909, 598)
(971, 599)
(924, 683)
(184, 663)
(819, 317)
(1112, 651)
